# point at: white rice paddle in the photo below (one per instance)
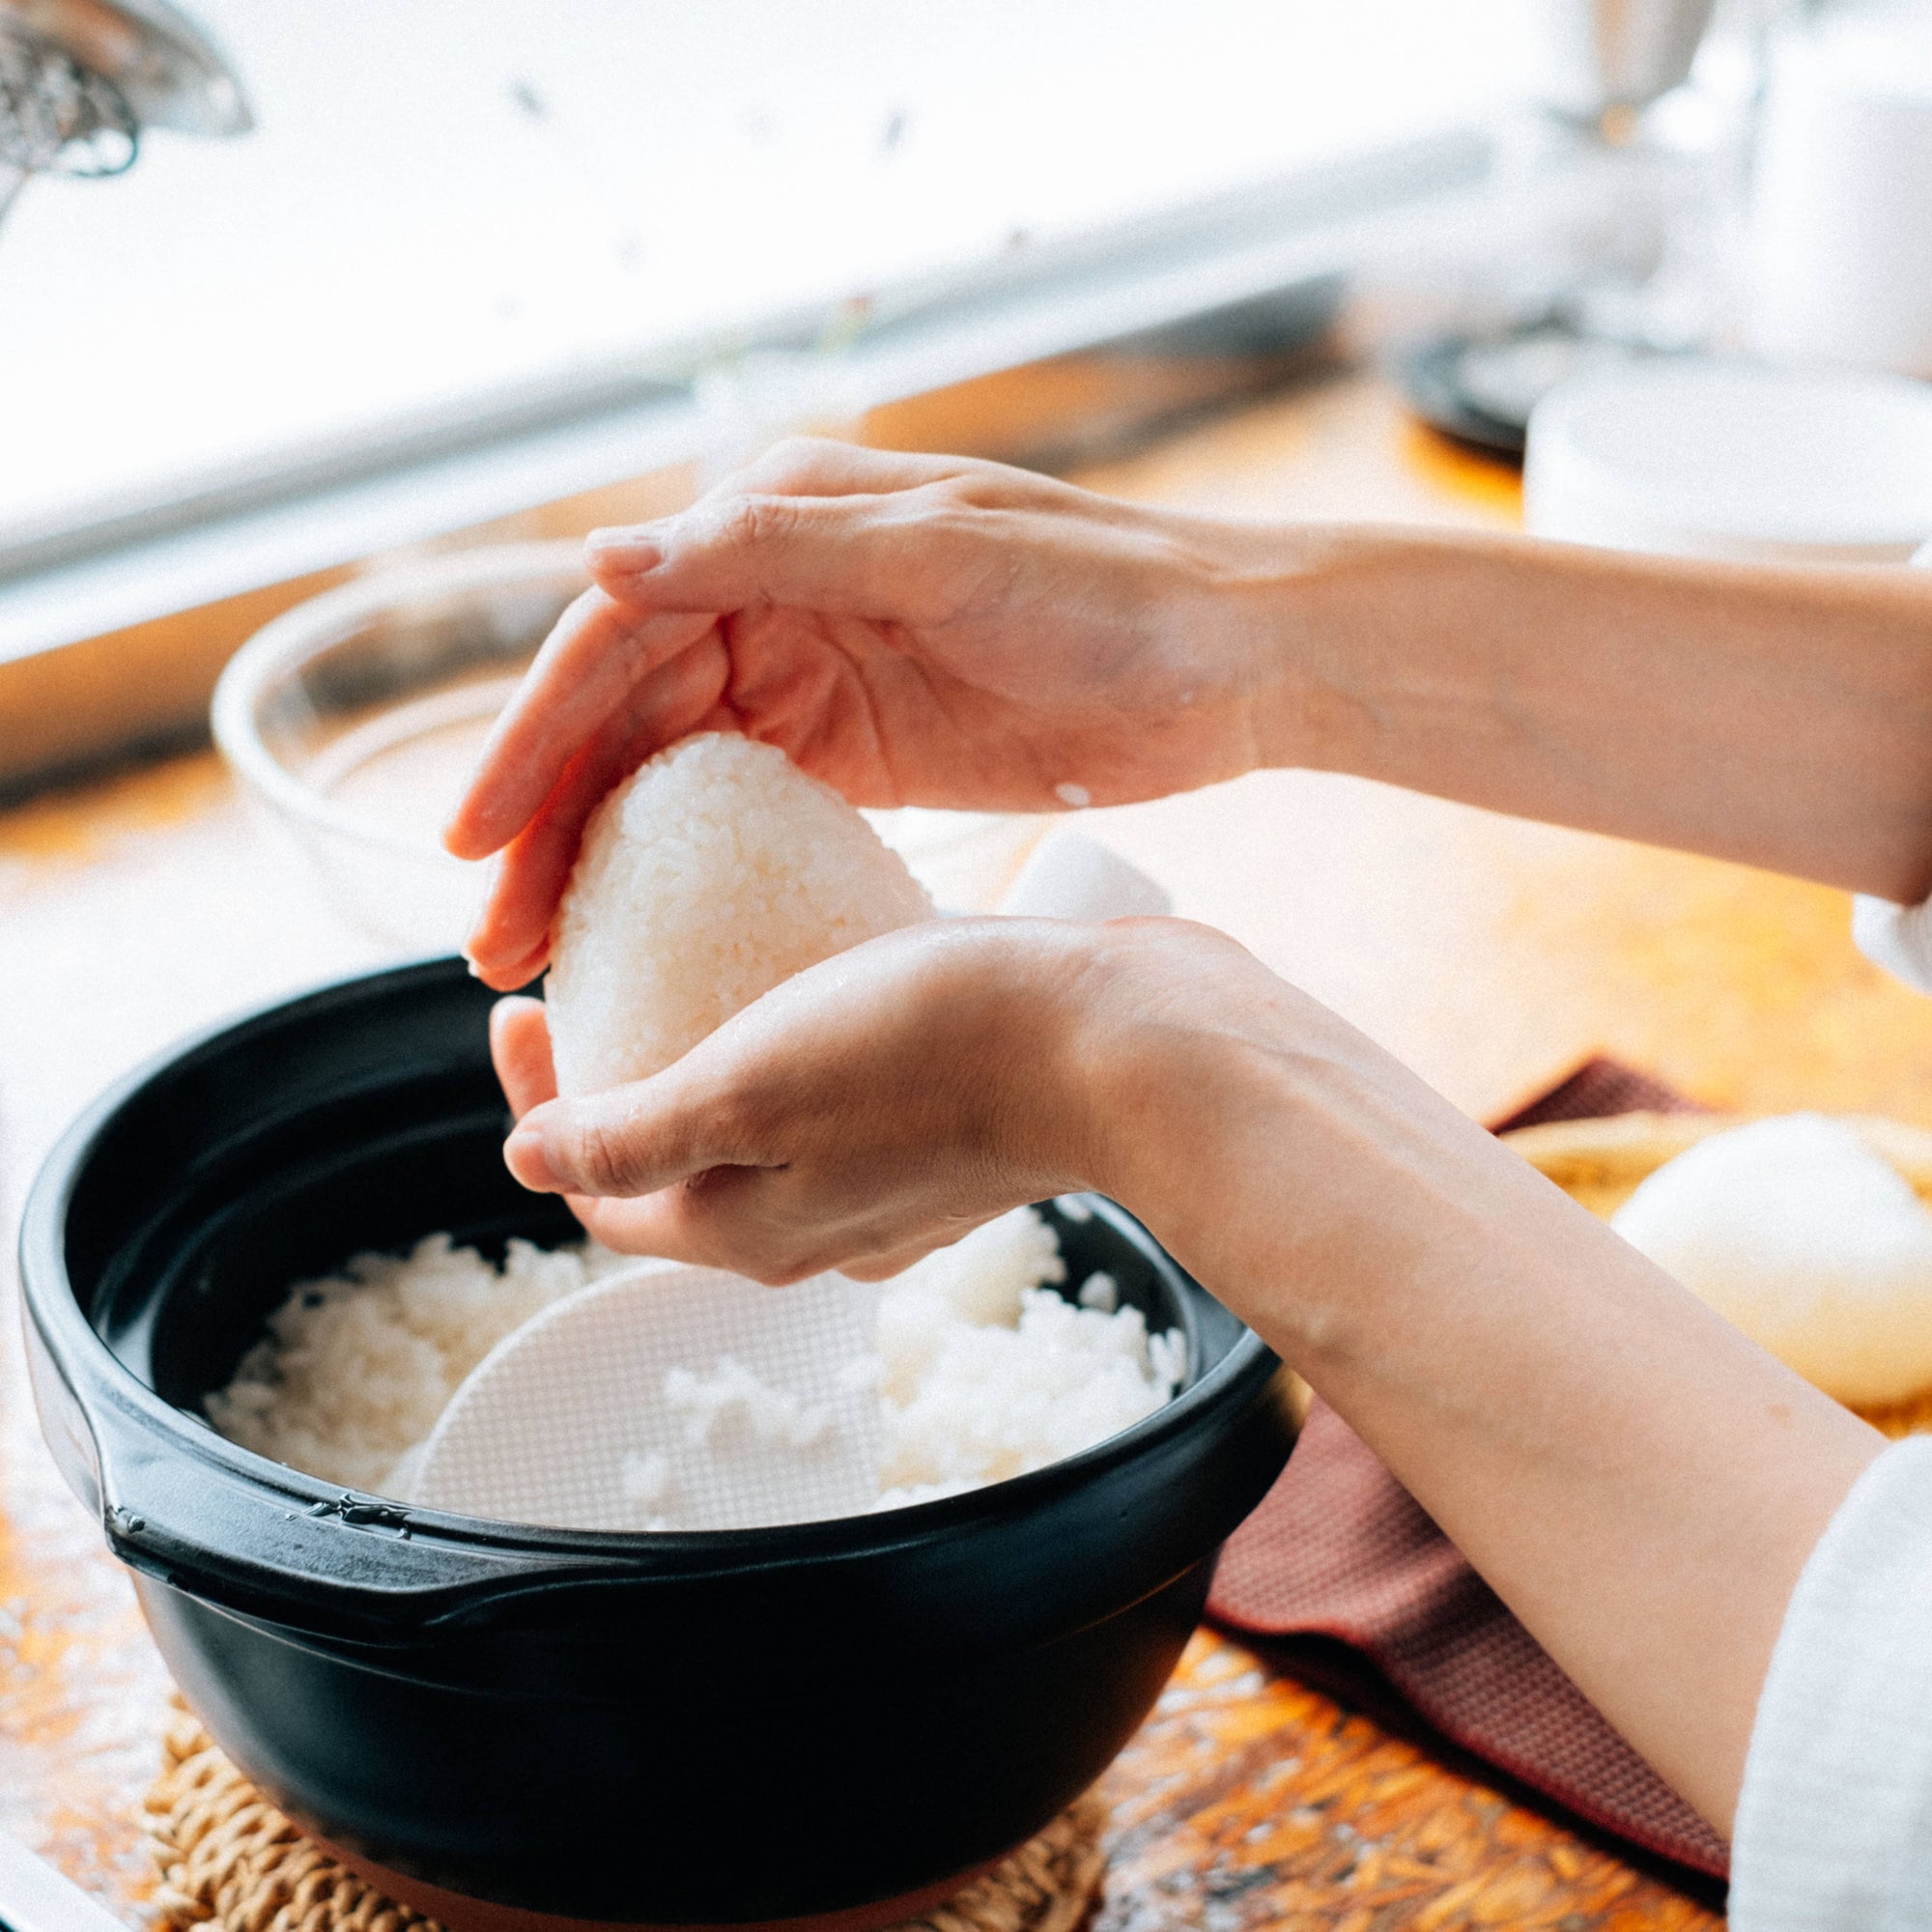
(669, 1396)
(665, 1398)
(1071, 876)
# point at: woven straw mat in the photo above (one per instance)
(231, 1863)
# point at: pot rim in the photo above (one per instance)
(78, 1349)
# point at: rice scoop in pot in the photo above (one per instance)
(716, 871)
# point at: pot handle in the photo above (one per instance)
(345, 1565)
(272, 1546)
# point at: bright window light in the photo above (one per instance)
(448, 200)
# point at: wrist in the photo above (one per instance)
(1310, 1182)
(1190, 1146)
(1176, 1084)
(1345, 626)
(1024, 995)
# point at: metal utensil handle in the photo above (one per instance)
(34, 1898)
(56, 115)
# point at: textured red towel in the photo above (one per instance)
(1339, 1550)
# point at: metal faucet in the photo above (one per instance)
(79, 79)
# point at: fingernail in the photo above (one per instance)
(524, 1156)
(472, 956)
(626, 549)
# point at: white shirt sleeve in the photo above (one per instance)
(1898, 938)
(1834, 1830)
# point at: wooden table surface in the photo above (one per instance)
(1489, 954)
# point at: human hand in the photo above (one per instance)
(912, 629)
(1638, 1482)
(874, 1107)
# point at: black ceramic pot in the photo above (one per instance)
(718, 1729)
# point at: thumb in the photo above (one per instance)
(625, 1142)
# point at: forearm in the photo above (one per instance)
(1639, 1483)
(1636, 1480)
(1782, 718)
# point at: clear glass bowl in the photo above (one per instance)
(356, 718)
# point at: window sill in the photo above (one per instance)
(108, 653)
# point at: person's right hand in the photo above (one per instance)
(912, 629)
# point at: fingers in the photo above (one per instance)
(869, 556)
(715, 1220)
(621, 557)
(629, 1141)
(746, 1221)
(806, 466)
(663, 1167)
(595, 657)
(820, 525)
(519, 1047)
(511, 940)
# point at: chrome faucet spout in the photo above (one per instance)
(80, 79)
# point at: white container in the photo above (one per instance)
(1701, 456)
(1840, 237)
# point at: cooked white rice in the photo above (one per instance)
(713, 873)
(984, 1372)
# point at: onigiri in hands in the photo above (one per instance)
(713, 873)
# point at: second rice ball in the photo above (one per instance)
(713, 873)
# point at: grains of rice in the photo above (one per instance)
(354, 1370)
(984, 1371)
(733, 1400)
(1099, 1290)
(713, 873)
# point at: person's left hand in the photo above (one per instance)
(866, 1111)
